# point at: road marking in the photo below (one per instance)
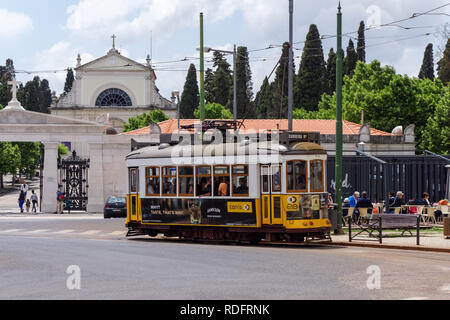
(445, 288)
(416, 298)
(11, 230)
(443, 268)
(90, 232)
(64, 231)
(115, 233)
(37, 231)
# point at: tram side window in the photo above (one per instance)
(316, 175)
(240, 180)
(169, 180)
(296, 174)
(204, 185)
(133, 179)
(153, 181)
(222, 181)
(186, 181)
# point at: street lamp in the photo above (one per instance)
(234, 53)
(177, 94)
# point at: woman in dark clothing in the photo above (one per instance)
(21, 200)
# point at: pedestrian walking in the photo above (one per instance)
(34, 200)
(28, 205)
(59, 202)
(21, 201)
(24, 188)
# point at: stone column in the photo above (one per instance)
(50, 179)
(96, 200)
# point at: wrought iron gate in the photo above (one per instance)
(73, 181)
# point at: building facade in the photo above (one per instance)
(110, 90)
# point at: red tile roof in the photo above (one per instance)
(322, 126)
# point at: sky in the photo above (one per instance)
(44, 37)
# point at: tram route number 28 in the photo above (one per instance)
(293, 203)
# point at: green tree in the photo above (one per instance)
(244, 85)
(436, 136)
(9, 159)
(263, 100)
(331, 72)
(427, 69)
(30, 157)
(278, 109)
(214, 111)
(35, 95)
(388, 99)
(222, 80)
(209, 85)
(144, 120)
(62, 150)
(311, 79)
(6, 73)
(443, 68)
(361, 43)
(69, 80)
(350, 60)
(190, 98)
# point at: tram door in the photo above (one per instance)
(133, 196)
(271, 194)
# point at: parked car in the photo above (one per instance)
(115, 207)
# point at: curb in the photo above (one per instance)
(388, 246)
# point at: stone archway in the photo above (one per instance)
(19, 125)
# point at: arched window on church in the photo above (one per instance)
(113, 97)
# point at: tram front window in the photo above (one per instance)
(296, 176)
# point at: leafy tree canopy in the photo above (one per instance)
(214, 111)
(144, 120)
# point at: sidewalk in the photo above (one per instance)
(429, 241)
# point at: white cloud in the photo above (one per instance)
(60, 56)
(13, 24)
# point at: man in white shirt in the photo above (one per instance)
(24, 188)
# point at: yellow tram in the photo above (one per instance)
(235, 191)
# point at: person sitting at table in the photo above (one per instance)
(345, 207)
(352, 200)
(425, 201)
(364, 202)
(398, 201)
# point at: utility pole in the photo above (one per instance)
(202, 73)
(234, 88)
(290, 68)
(338, 176)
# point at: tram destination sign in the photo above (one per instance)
(300, 136)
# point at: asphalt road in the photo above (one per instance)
(37, 252)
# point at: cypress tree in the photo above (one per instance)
(279, 108)
(6, 73)
(69, 81)
(190, 98)
(209, 88)
(444, 65)
(45, 96)
(427, 69)
(310, 82)
(361, 44)
(331, 71)
(263, 100)
(244, 85)
(350, 60)
(222, 80)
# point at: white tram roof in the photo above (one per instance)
(224, 149)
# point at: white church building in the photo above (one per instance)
(110, 90)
